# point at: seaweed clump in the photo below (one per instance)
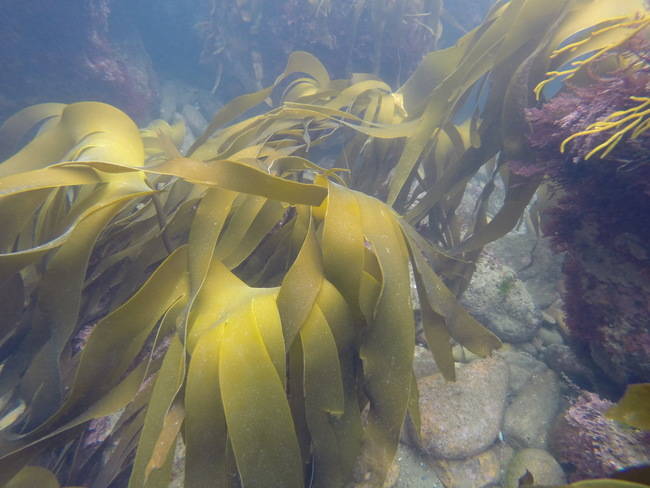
(590, 445)
(599, 211)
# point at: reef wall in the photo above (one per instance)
(599, 214)
(67, 51)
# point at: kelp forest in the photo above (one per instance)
(257, 296)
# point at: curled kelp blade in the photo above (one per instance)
(318, 323)
(205, 431)
(263, 439)
(79, 131)
(458, 322)
(84, 129)
(92, 389)
(18, 126)
(68, 250)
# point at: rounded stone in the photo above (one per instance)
(500, 301)
(544, 468)
(478, 471)
(423, 362)
(462, 418)
(528, 418)
(521, 366)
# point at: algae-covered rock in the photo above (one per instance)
(500, 301)
(594, 445)
(544, 468)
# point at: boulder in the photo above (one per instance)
(545, 469)
(478, 471)
(528, 418)
(501, 302)
(521, 366)
(462, 418)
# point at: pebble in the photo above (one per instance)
(549, 336)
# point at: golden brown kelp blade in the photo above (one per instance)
(266, 383)
(85, 129)
(633, 409)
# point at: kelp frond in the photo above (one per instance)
(333, 295)
(597, 43)
(631, 122)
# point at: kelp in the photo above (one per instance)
(607, 51)
(627, 123)
(632, 409)
(240, 296)
(349, 323)
(385, 38)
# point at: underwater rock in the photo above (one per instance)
(423, 363)
(563, 360)
(195, 119)
(415, 470)
(168, 101)
(549, 336)
(501, 302)
(478, 471)
(70, 51)
(599, 216)
(529, 416)
(593, 446)
(544, 468)
(521, 366)
(462, 418)
(534, 261)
